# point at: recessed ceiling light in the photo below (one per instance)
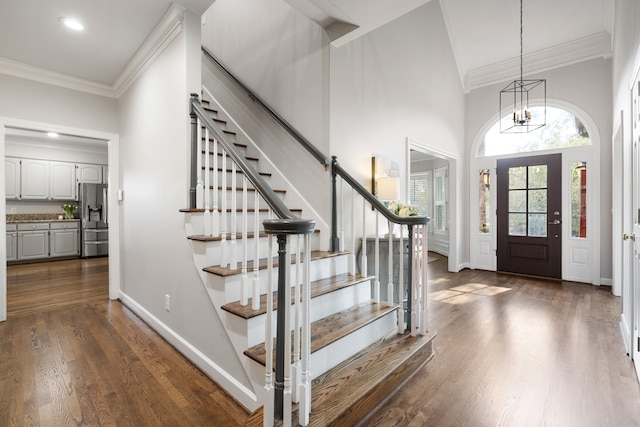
(72, 23)
(52, 135)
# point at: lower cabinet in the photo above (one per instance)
(43, 240)
(64, 239)
(33, 241)
(12, 242)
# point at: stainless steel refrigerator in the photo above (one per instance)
(92, 201)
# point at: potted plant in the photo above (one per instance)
(68, 209)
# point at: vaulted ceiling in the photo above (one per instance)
(484, 34)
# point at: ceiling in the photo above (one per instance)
(484, 34)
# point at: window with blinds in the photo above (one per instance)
(440, 199)
(421, 193)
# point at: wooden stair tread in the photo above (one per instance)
(332, 328)
(248, 189)
(238, 171)
(318, 288)
(202, 238)
(200, 210)
(348, 393)
(224, 271)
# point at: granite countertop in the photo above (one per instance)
(45, 217)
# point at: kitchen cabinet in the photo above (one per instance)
(34, 176)
(62, 181)
(33, 241)
(64, 239)
(89, 173)
(12, 178)
(12, 242)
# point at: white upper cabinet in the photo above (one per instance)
(89, 173)
(12, 178)
(62, 181)
(35, 179)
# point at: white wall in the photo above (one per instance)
(156, 255)
(626, 44)
(396, 82)
(586, 85)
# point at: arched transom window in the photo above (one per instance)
(563, 130)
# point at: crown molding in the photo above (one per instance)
(29, 72)
(590, 47)
(450, 23)
(167, 29)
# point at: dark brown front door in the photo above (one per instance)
(529, 215)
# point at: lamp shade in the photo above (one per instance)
(389, 188)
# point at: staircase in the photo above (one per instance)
(357, 358)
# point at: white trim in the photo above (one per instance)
(165, 31)
(454, 220)
(593, 211)
(37, 74)
(626, 334)
(593, 46)
(114, 183)
(245, 396)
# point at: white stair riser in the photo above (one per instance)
(320, 268)
(321, 307)
(196, 221)
(341, 350)
(229, 176)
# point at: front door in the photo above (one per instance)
(529, 215)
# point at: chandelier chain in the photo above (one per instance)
(521, 68)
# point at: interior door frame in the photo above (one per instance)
(114, 185)
(455, 222)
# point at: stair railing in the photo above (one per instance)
(214, 154)
(413, 313)
(416, 306)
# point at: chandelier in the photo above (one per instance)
(518, 95)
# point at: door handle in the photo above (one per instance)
(626, 236)
(555, 222)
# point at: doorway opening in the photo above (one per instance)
(10, 126)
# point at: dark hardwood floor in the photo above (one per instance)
(69, 356)
(517, 351)
(510, 351)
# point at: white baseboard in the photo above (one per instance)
(239, 391)
(606, 282)
(626, 334)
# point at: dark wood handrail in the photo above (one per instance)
(324, 160)
(288, 222)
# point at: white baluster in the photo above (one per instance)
(352, 256)
(424, 321)
(363, 254)
(224, 257)
(268, 345)
(401, 310)
(233, 251)
(376, 262)
(215, 216)
(414, 253)
(246, 284)
(199, 182)
(207, 185)
(305, 374)
(341, 215)
(295, 380)
(255, 282)
(286, 268)
(390, 267)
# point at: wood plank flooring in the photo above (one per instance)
(70, 357)
(516, 351)
(510, 351)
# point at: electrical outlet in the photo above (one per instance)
(14, 210)
(167, 302)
